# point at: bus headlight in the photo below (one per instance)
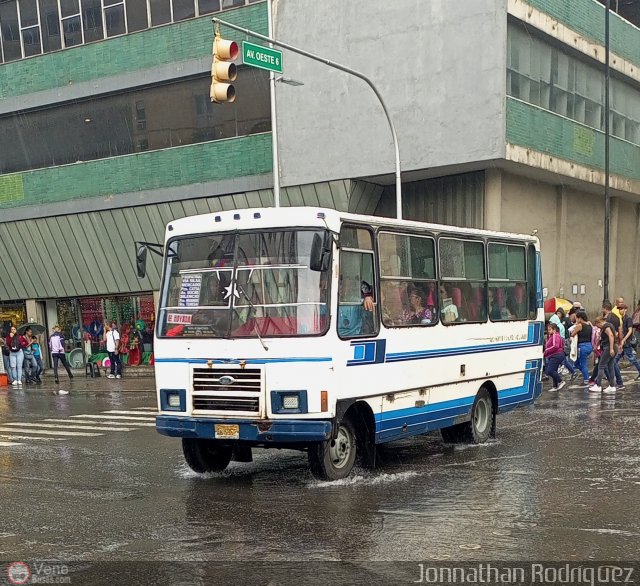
(289, 402)
(173, 399)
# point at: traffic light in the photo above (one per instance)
(223, 70)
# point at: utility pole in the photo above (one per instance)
(335, 65)
(607, 196)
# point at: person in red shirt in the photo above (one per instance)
(16, 343)
(554, 355)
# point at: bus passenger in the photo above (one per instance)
(449, 310)
(355, 317)
(419, 312)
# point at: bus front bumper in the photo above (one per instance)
(262, 431)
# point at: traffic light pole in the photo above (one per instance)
(274, 121)
(346, 70)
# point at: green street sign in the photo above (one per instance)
(261, 57)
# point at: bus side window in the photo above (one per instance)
(356, 284)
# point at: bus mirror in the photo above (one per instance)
(320, 252)
(141, 261)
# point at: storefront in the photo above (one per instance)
(82, 323)
(12, 314)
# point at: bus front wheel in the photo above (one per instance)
(333, 459)
(206, 455)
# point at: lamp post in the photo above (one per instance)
(607, 196)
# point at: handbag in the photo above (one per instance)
(633, 340)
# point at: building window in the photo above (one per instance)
(32, 27)
(545, 76)
(164, 116)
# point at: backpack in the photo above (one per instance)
(15, 343)
(595, 338)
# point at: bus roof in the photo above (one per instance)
(309, 216)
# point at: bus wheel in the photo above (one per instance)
(333, 459)
(205, 455)
(479, 428)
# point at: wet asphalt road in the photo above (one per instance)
(560, 482)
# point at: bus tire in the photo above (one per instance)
(478, 430)
(206, 455)
(333, 459)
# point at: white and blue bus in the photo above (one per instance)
(330, 332)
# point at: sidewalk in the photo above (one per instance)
(138, 381)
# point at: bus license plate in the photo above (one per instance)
(227, 431)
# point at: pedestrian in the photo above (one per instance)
(554, 355)
(608, 346)
(626, 347)
(56, 345)
(583, 331)
(636, 317)
(16, 344)
(611, 317)
(37, 356)
(29, 366)
(5, 355)
(558, 319)
(569, 323)
(112, 337)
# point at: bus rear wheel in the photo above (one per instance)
(478, 430)
(482, 416)
(206, 455)
(333, 459)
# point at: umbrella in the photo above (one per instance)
(554, 303)
(37, 329)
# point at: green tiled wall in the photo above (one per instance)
(173, 43)
(587, 18)
(211, 161)
(546, 132)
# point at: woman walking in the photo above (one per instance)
(608, 338)
(554, 355)
(583, 330)
(56, 345)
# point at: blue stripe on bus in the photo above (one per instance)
(409, 421)
(534, 338)
(245, 360)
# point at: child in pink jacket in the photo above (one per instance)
(554, 355)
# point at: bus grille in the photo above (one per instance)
(208, 379)
(232, 391)
(227, 404)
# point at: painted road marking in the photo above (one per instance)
(10, 444)
(51, 432)
(114, 417)
(132, 424)
(116, 412)
(30, 437)
(61, 426)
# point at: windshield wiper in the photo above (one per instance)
(255, 313)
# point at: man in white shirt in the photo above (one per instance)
(112, 337)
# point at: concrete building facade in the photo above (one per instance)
(107, 133)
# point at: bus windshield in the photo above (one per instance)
(244, 284)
